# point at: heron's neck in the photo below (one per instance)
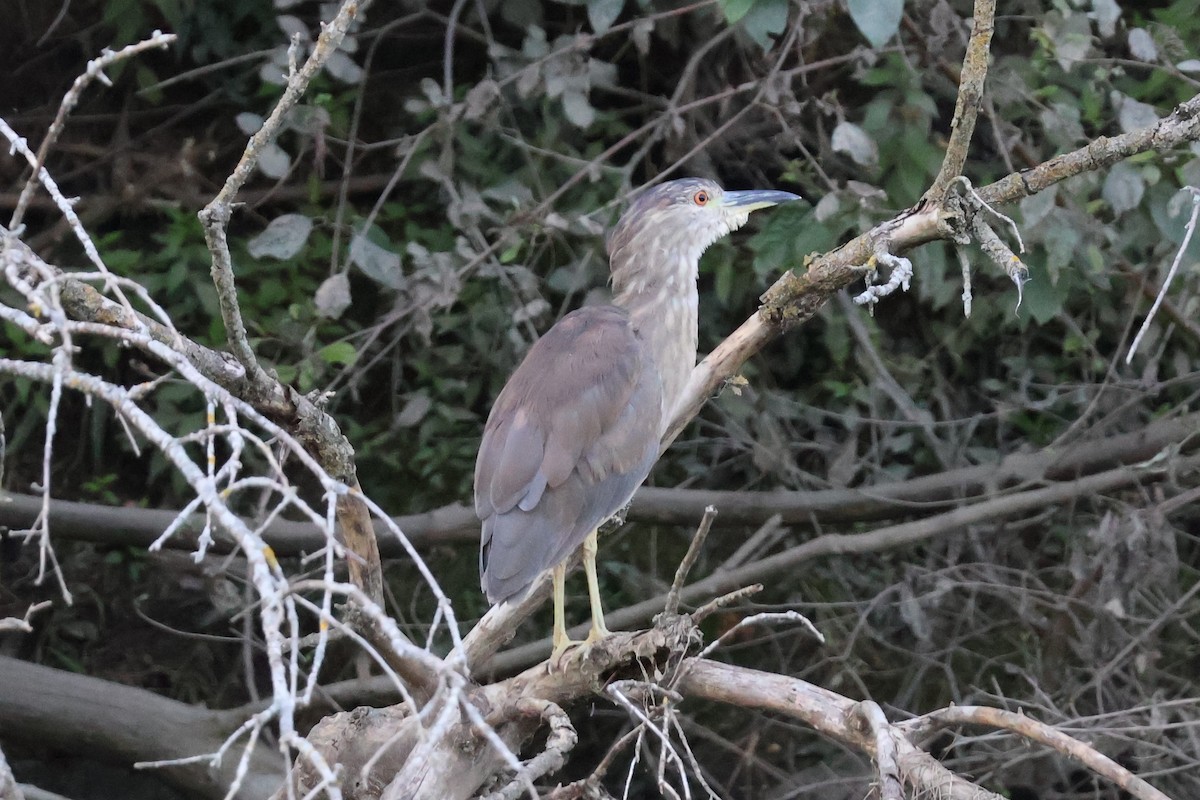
(662, 305)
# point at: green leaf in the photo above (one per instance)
(735, 9)
(1123, 187)
(510, 253)
(852, 140)
(342, 353)
(577, 109)
(877, 20)
(765, 20)
(603, 13)
(283, 238)
(377, 261)
(1043, 300)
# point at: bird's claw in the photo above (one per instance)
(561, 648)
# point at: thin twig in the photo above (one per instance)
(95, 69)
(685, 566)
(23, 625)
(1183, 246)
(1001, 255)
(216, 215)
(970, 98)
(765, 616)
(716, 604)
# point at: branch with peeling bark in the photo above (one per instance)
(1029, 728)
(895, 747)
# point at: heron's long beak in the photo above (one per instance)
(754, 199)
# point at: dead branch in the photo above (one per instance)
(827, 713)
(457, 524)
(970, 98)
(1033, 730)
(870, 717)
(127, 725)
(689, 559)
(559, 743)
(22, 625)
(353, 518)
(839, 544)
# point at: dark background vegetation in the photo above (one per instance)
(1026, 611)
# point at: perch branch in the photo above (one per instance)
(1182, 125)
(837, 544)
(796, 297)
(869, 717)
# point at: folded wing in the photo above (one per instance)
(569, 439)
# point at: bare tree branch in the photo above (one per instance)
(456, 523)
(877, 540)
(970, 98)
(125, 724)
(1033, 730)
(795, 298)
(828, 713)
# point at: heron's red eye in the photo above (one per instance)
(701, 198)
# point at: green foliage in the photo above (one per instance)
(413, 308)
(877, 20)
(734, 10)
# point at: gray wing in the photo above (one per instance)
(569, 439)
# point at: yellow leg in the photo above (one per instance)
(560, 640)
(599, 629)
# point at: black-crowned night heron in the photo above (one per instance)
(577, 427)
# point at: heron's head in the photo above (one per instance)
(660, 237)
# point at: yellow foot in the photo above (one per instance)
(597, 633)
(561, 648)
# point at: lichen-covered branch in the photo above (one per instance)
(216, 214)
(796, 296)
(1179, 127)
(970, 98)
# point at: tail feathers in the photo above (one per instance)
(519, 547)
